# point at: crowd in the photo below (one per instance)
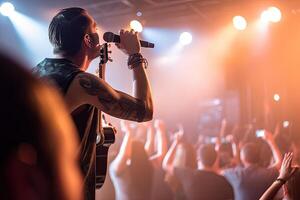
(240, 164)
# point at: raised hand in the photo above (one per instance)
(179, 134)
(129, 42)
(268, 136)
(224, 122)
(180, 128)
(286, 170)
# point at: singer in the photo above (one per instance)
(73, 34)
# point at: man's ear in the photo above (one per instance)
(88, 40)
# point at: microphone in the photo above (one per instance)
(111, 37)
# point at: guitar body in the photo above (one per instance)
(108, 132)
(102, 155)
(101, 165)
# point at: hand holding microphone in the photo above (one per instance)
(111, 37)
(128, 42)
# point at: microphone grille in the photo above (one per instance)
(108, 37)
(151, 45)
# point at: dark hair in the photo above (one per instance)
(18, 109)
(292, 185)
(67, 29)
(251, 153)
(21, 120)
(207, 155)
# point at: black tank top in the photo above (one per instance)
(61, 72)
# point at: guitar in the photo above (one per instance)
(108, 131)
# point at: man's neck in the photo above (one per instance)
(80, 60)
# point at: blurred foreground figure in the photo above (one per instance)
(38, 141)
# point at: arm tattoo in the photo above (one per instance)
(126, 107)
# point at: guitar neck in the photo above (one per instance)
(102, 76)
(107, 133)
(102, 71)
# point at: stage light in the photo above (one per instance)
(136, 26)
(185, 38)
(139, 13)
(216, 102)
(239, 22)
(265, 17)
(7, 9)
(37, 45)
(276, 97)
(285, 124)
(272, 14)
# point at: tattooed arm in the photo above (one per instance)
(89, 89)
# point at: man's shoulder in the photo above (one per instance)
(206, 181)
(42, 62)
(220, 181)
(183, 171)
(271, 171)
(261, 170)
(87, 80)
(56, 62)
(36, 69)
(86, 74)
(211, 176)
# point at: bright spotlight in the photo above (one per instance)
(216, 102)
(185, 38)
(239, 22)
(7, 9)
(285, 124)
(276, 97)
(136, 26)
(272, 14)
(139, 13)
(265, 17)
(36, 45)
